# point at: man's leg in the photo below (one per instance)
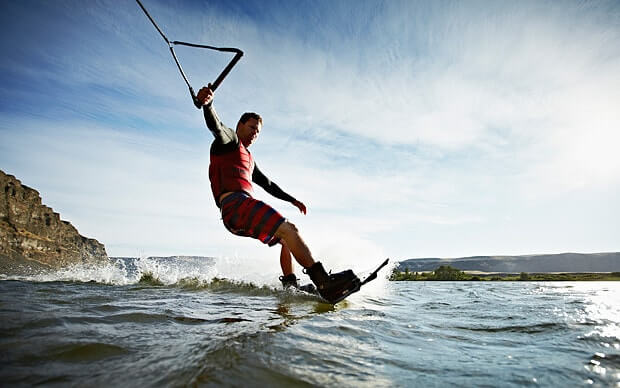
(295, 244)
(288, 278)
(332, 287)
(286, 262)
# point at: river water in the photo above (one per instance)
(176, 323)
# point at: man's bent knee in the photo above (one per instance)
(286, 229)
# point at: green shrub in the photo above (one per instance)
(446, 272)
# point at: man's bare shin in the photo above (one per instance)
(285, 260)
(289, 233)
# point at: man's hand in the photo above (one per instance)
(205, 95)
(300, 206)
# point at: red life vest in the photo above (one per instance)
(231, 171)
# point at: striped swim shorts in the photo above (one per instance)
(249, 217)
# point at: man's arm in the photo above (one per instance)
(260, 179)
(224, 136)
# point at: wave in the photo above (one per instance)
(528, 329)
(88, 352)
(127, 271)
(217, 275)
(249, 277)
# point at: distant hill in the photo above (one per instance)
(564, 262)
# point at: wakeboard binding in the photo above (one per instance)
(290, 281)
(333, 287)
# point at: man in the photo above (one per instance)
(231, 172)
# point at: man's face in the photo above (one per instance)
(248, 132)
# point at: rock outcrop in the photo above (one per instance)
(32, 235)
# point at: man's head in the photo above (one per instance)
(248, 127)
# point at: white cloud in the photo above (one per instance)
(540, 88)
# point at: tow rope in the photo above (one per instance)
(220, 78)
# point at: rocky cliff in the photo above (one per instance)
(33, 235)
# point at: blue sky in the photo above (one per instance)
(409, 129)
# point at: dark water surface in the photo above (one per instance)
(222, 333)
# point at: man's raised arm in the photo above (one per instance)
(222, 133)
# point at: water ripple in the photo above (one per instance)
(225, 333)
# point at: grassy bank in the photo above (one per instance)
(447, 273)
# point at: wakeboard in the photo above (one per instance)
(356, 287)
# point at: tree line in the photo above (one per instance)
(449, 273)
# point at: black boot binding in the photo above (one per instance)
(333, 287)
(290, 280)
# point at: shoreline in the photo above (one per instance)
(452, 274)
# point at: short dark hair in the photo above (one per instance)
(250, 115)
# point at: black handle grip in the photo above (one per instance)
(226, 70)
(220, 77)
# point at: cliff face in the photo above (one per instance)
(32, 233)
